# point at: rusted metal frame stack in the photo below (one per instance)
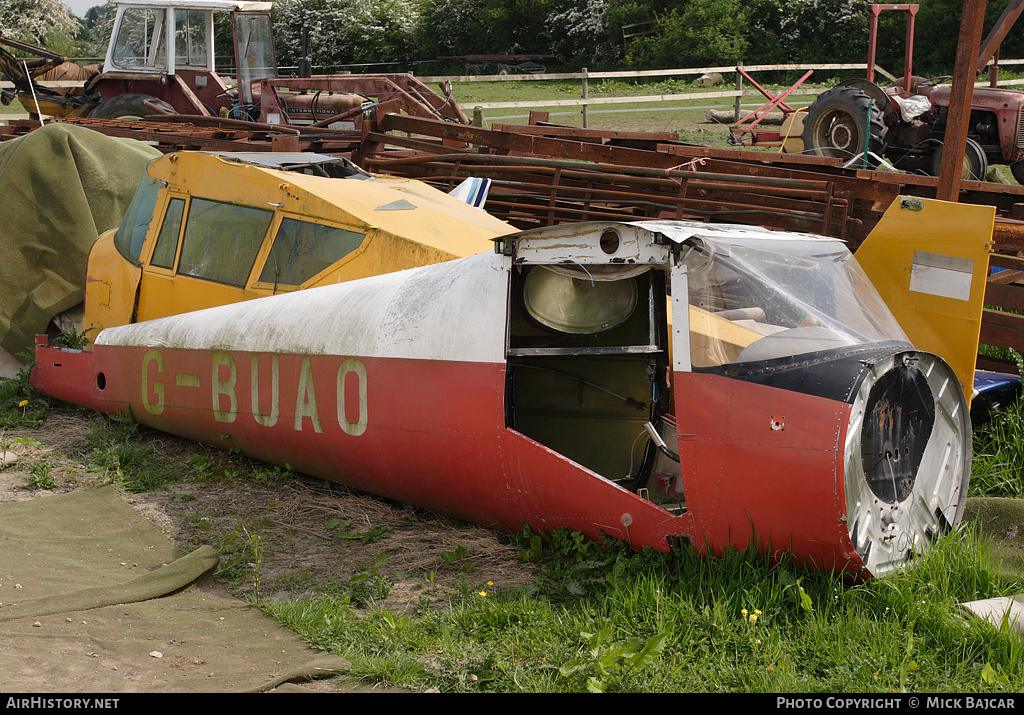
(540, 180)
(179, 133)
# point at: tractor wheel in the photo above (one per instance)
(131, 106)
(841, 122)
(1017, 169)
(975, 163)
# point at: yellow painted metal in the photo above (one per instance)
(929, 261)
(109, 287)
(792, 132)
(406, 223)
(51, 107)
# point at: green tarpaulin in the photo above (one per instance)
(61, 186)
(95, 600)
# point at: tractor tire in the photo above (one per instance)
(975, 163)
(1017, 169)
(839, 124)
(131, 106)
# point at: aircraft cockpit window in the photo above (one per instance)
(758, 299)
(221, 241)
(131, 234)
(303, 249)
(167, 241)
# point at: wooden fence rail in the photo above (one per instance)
(586, 101)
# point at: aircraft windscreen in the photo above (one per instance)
(754, 299)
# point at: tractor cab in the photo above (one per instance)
(161, 58)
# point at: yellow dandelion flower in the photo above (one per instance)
(483, 594)
(743, 613)
(753, 618)
(490, 583)
(22, 403)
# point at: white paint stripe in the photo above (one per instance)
(449, 311)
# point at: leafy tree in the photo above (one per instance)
(695, 33)
(491, 27)
(345, 31)
(581, 34)
(36, 21)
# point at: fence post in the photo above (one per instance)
(478, 116)
(586, 93)
(739, 88)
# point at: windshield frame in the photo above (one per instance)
(746, 284)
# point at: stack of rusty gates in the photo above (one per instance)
(544, 174)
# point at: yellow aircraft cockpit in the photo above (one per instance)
(206, 229)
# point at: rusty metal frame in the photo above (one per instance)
(764, 138)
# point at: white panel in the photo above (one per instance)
(449, 311)
(680, 320)
(946, 276)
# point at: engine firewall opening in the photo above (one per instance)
(898, 420)
(907, 459)
(588, 395)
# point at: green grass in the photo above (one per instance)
(998, 466)
(654, 622)
(124, 453)
(20, 405)
(686, 117)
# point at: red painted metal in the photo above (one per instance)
(432, 433)
(763, 138)
(874, 11)
(754, 458)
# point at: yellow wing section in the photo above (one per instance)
(929, 261)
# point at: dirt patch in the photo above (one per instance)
(279, 534)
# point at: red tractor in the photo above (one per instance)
(160, 60)
(905, 122)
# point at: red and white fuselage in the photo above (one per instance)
(473, 389)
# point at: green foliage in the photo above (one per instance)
(340, 530)
(241, 558)
(36, 21)
(72, 339)
(493, 27)
(121, 451)
(457, 559)
(575, 33)
(345, 31)
(367, 586)
(20, 405)
(703, 33)
(606, 663)
(40, 475)
(997, 469)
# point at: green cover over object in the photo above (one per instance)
(61, 186)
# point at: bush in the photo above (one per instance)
(345, 31)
